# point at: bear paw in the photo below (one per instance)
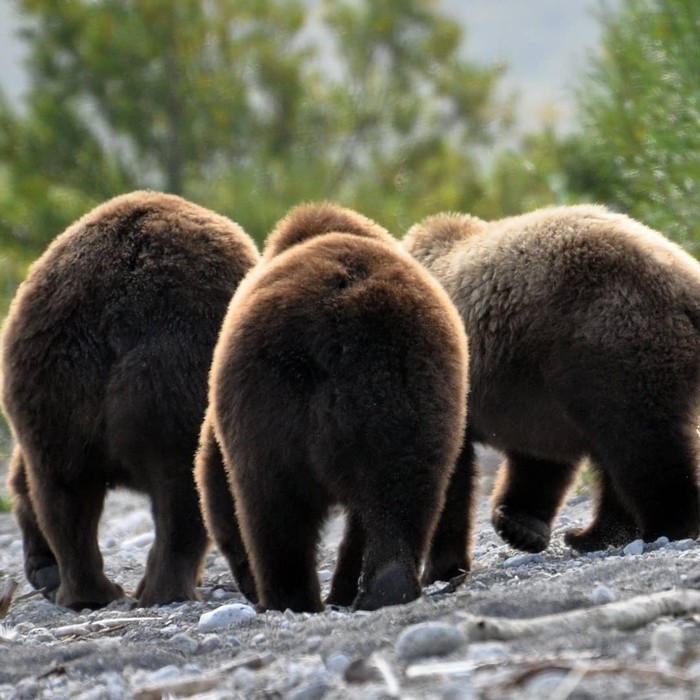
(393, 584)
(90, 599)
(520, 530)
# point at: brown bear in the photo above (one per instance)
(338, 377)
(584, 335)
(105, 356)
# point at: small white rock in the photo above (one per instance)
(429, 639)
(139, 541)
(222, 594)
(601, 594)
(487, 651)
(681, 545)
(634, 548)
(544, 684)
(162, 674)
(325, 575)
(522, 560)
(667, 643)
(226, 616)
(258, 639)
(662, 541)
(337, 663)
(314, 643)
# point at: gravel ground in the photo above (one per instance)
(219, 647)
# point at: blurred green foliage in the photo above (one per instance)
(246, 108)
(640, 112)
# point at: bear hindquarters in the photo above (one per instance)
(40, 565)
(450, 550)
(526, 498)
(219, 510)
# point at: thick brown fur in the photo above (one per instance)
(338, 378)
(584, 333)
(105, 355)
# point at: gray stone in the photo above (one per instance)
(337, 663)
(522, 560)
(185, 643)
(429, 639)
(314, 691)
(635, 547)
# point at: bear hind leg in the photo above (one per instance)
(281, 529)
(40, 565)
(219, 510)
(613, 524)
(68, 513)
(526, 498)
(656, 479)
(175, 560)
(450, 550)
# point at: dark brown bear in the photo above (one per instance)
(338, 378)
(105, 355)
(584, 333)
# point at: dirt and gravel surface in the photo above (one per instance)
(462, 644)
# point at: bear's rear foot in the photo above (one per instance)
(445, 568)
(393, 584)
(160, 593)
(521, 530)
(44, 575)
(98, 597)
(595, 537)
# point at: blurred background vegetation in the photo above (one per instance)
(250, 107)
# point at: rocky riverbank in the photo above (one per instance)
(445, 645)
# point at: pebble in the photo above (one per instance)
(210, 642)
(184, 643)
(545, 684)
(338, 663)
(325, 575)
(487, 651)
(226, 616)
(522, 560)
(165, 673)
(314, 691)
(667, 643)
(314, 642)
(601, 595)
(139, 541)
(222, 594)
(681, 545)
(635, 547)
(429, 639)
